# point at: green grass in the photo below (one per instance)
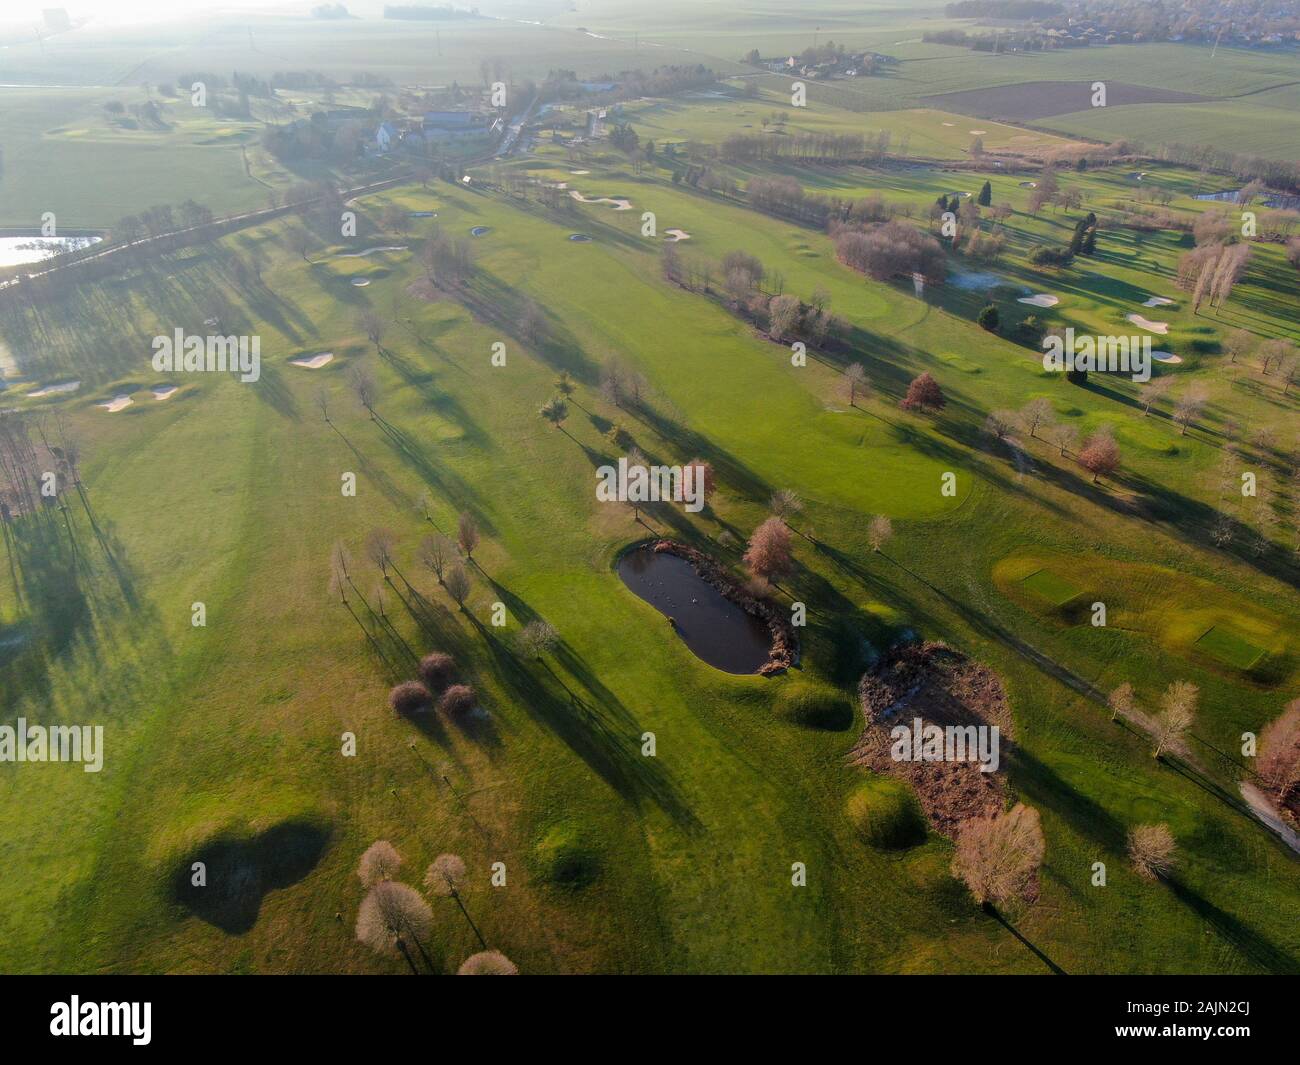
(1056, 589)
(1230, 647)
(229, 495)
(886, 814)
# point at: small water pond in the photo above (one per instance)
(717, 630)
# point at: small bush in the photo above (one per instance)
(814, 706)
(988, 317)
(886, 814)
(458, 700)
(410, 697)
(437, 670)
(565, 860)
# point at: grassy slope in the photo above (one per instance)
(695, 854)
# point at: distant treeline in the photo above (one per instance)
(1003, 9)
(786, 198)
(805, 147)
(422, 13)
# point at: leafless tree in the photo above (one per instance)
(997, 857)
(1178, 705)
(393, 918)
(488, 963)
(1036, 413)
(1151, 850)
(855, 382)
(537, 638)
(1152, 392)
(364, 388)
(370, 323)
(446, 875)
(999, 424)
(786, 504)
(1121, 701)
(467, 533)
(379, 862)
(436, 552)
(879, 531)
(1190, 407)
(458, 585)
(380, 545)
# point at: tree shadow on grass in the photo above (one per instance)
(1253, 946)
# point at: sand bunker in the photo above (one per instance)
(676, 235)
(1158, 301)
(313, 362)
(579, 173)
(950, 123)
(161, 392)
(369, 251)
(1166, 356)
(54, 390)
(480, 231)
(618, 202)
(116, 404)
(1041, 299)
(1029, 184)
(978, 132)
(359, 282)
(1151, 327)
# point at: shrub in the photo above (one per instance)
(565, 860)
(437, 670)
(814, 706)
(488, 963)
(410, 697)
(458, 700)
(886, 814)
(988, 317)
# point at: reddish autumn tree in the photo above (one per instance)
(769, 550)
(1099, 455)
(699, 468)
(924, 394)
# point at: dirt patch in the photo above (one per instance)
(1027, 101)
(942, 687)
(785, 645)
(423, 289)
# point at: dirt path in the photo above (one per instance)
(1267, 816)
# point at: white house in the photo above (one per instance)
(385, 137)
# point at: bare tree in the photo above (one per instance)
(1036, 413)
(1065, 436)
(1279, 753)
(1121, 701)
(879, 531)
(1190, 407)
(436, 552)
(769, 554)
(364, 388)
(372, 324)
(997, 857)
(786, 504)
(999, 424)
(855, 382)
(458, 584)
(446, 875)
(393, 918)
(379, 862)
(488, 963)
(467, 533)
(536, 638)
(1179, 713)
(1153, 392)
(380, 545)
(1151, 850)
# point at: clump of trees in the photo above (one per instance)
(998, 857)
(885, 251)
(410, 698)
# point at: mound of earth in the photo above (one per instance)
(919, 685)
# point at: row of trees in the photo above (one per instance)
(884, 251)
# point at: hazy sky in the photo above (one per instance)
(126, 11)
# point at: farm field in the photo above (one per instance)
(239, 579)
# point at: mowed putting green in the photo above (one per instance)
(1056, 589)
(1230, 647)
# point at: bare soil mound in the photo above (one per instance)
(938, 686)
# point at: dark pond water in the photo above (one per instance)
(714, 627)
